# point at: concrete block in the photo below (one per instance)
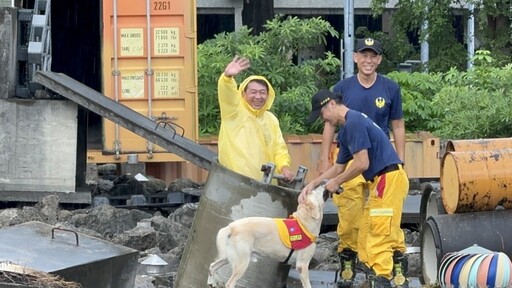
(133, 169)
(38, 24)
(100, 200)
(138, 200)
(35, 52)
(176, 198)
(38, 145)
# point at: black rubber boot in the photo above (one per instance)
(400, 270)
(348, 262)
(379, 281)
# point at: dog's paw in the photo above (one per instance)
(254, 259)
(212, 281)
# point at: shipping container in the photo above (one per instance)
(148, 53)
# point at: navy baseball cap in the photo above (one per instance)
(369, 43)
(319, 100)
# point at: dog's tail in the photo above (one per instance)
(222, 241)
(222, 259)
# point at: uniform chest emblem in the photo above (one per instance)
(380, 102)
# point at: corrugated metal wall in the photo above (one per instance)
(422, 158)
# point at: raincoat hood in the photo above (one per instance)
(270, 99)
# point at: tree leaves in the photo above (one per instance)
(272, 55)
(459, 105)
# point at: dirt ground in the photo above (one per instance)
(325, 279)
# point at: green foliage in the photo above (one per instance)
(459, 105)
(271, 54)
(418, 90)
(445, 51)
(473, 113)
(449, 102)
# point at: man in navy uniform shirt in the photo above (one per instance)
(373, 156)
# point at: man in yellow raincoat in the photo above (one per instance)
(249, 135)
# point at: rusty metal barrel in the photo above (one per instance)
(477, 180)
(478, 144)
(229, 196)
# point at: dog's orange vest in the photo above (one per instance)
(293, 234)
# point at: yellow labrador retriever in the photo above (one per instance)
(238, 242)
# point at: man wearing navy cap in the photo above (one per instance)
(379, 98)
(373, 156)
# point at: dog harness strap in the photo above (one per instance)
(289, 256)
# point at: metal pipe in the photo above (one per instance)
(116, 74)
(348, 38)
(471, 34)
(149, 71)
(442, 234)
(149, 74)
(424, 44)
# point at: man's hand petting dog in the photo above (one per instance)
(239, 242)
(330, 187)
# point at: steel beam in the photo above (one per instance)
(137, 123)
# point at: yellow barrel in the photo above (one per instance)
(476, 180)
(478, 144)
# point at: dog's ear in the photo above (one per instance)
(325, 195)
(314, 209)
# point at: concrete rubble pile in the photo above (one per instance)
(152, 233)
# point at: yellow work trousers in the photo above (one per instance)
(350, 205)
(380, 233)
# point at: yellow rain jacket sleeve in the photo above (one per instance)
(248, 138)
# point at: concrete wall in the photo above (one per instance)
(11, 3)
(8, 18)
(38, 140)
(5, 3)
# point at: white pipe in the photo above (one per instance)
(348, 35)
(471, 35)
(424, 44)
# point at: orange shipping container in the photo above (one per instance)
(149, 65)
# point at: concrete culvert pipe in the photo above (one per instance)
(431, 202)
(442, 234)
(229, 196)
